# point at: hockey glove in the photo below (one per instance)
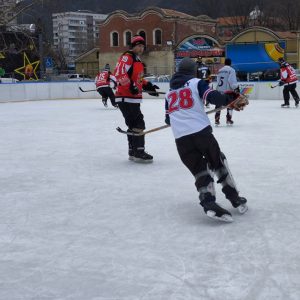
(133, 89)
(239, 103)
(149, 87)
(281, 83)
(237, 90)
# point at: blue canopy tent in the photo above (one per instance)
(252, 58)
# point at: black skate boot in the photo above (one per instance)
(140, 156)
(214, 210)
(287, 105)
(217, 121)
(229, 120)
(104, 101)
(296, 102)
(130, 154)
(240, 204)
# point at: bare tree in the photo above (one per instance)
(12, 11)
(290, 14)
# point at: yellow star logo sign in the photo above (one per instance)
(28, 70)
(2, 55)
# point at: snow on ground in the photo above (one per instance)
(79, 221)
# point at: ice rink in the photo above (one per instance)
(78, 221)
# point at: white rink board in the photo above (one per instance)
(70, 90)
(79, 221)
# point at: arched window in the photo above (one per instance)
(114, 39)
(127, 38)
(157, 37)
(143, 34)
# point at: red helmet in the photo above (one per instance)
(137, 40)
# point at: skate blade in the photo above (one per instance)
(131, 158)
(225, 218)
(242, 208)
(142, 161)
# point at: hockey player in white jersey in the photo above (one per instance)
(196, 145)
(227, 84)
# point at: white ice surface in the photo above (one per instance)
(78, 221)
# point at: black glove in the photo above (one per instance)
(237, 90)
(281, 83)
(149, 87)
(167, 119)
(133, 89)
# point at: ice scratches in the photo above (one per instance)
(179, 278)
(264, 286)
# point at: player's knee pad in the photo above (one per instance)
(205, 184)
(223, 173)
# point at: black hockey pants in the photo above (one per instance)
(134, 120)
(290, 88)
(200, 153)
(107, 92)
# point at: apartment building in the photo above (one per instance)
(75, 33)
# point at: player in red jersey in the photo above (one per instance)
(129, 74)
(289, 79)
(102, 82)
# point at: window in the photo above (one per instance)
(114, 39)
(127, 38)
(157, 37)
(143, 34)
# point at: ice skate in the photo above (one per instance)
(217, 121)
(229, 120)
(240, 203)
(104, 101)
(141, 156)
(285, 105)
(296, 103)
(214, 211)
(130, 155)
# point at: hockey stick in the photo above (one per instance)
(160, 93)
(164, 126)
(143, 132)
(85, 91)
(274, 86)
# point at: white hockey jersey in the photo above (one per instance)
(226, 80)
(186, 109)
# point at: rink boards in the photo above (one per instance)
(30, 91)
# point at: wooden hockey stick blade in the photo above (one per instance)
(85, 91)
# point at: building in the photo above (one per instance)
(75, 33)
(168, 34)
(88, 63)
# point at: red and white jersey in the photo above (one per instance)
(288, 74)
(129, 69)
(103, 79)
(186, 109)
(226, 80)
